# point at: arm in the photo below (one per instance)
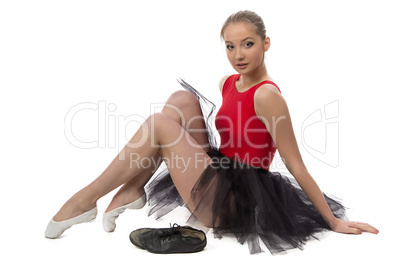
(222, 82)
(272, 110)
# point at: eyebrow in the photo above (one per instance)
(241, 40)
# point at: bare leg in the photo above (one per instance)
(184, 108)
(185, 158)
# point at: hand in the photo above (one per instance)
(351, 227)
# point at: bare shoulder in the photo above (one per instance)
(268, 99)
(222, 82)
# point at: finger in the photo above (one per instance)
(365, 227)
(354, 231)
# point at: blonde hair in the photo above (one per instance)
(249, 17)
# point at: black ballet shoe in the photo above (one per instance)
(175, 239)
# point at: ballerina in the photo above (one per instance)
(228, 188)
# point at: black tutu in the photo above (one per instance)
(251, 203)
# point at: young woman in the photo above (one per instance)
(229, 188)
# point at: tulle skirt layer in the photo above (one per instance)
(252, 203)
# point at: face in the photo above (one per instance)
(244, 47)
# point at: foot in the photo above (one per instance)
(56, 228)
(75, 206)
(124, 196)
(76, 210)
(109, 218)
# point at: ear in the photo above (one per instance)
(267, 44)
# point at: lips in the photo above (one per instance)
(242, 65)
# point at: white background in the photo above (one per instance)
(57, 54)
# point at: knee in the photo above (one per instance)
(182, 99)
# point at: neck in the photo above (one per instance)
(256, 77)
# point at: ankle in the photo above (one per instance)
(124, 198)
(82, 201)
(88, 197)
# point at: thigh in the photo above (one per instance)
(185, 159)
(184, 108)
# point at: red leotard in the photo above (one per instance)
(243, 135)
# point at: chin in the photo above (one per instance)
(242, 72)
(248, 70)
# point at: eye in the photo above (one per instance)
(248, 44)
(229, 47)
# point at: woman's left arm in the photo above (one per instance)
(272, 110)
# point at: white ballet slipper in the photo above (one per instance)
(109, 218)
(56, 228)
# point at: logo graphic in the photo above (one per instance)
(112, 128)
(320, 134)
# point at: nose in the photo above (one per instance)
(239, 54)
